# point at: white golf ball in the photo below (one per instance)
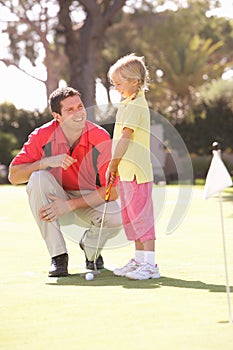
(89, 276)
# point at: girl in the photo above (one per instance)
(131, 161)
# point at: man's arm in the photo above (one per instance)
(20, 173)
(58, 207)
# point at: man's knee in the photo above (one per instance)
(39, 180)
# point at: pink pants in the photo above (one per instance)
(137, 210)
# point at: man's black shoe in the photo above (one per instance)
(99, 263)
(90, 264)
(59, 266)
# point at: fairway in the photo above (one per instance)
(185, 309)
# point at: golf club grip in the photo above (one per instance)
(108, 191)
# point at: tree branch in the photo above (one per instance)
(10, 63)
(91, 6)
(112, 9)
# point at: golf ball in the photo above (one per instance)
(89, 276)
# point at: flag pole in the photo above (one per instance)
(216, 147)
(225, 260)
(218, 179)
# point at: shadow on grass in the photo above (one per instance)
(227, 196)
(106, 278)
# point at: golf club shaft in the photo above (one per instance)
(106, 198)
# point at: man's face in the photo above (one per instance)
(73, 114)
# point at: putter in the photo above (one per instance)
(106, 198)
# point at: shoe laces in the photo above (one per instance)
(131, 262)
(145, 266)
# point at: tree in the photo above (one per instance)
(213, 119)
(181, 57)
(81, 39)
(71, 45)
(30, 29)
(83, 46)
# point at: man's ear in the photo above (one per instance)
(56, 116)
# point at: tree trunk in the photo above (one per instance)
(83, 45)
(86, 62)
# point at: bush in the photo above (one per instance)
(8, 144)
(3, 174)
(200, 165)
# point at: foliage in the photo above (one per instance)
(201, 165)
(212, 121)
(15, 126)
(181, 57)
(31, 29)
(69, 34)
(185, 51)
(81, 39)
(8, 143)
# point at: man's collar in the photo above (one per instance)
(60, 138)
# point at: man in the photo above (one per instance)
(64, 164)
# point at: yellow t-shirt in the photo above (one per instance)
(135, 115)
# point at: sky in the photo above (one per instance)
(27, 93)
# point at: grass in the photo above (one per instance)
(185, 309)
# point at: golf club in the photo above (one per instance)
(106, 198)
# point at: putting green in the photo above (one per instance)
(185, 309)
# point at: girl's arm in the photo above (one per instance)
(120, 149)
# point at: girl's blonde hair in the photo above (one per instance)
(131, 67)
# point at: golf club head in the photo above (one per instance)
(95, 271)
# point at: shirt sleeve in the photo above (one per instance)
(133, 117)
(31, 150)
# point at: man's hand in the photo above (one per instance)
(55, 209)
(62, 160)
(21, 173)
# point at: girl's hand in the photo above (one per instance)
(112, 177)
(111, 172)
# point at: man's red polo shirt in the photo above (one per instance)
(92, 152)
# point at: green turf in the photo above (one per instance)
(185, 309)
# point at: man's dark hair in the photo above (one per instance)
(59, 95)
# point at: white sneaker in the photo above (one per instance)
(144, 271)
(129, 267)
